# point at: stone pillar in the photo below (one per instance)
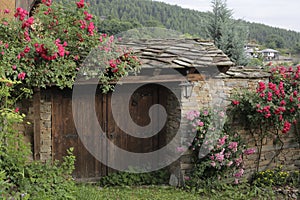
(45, 126)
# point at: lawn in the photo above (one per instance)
(89, 192)
(133, 193)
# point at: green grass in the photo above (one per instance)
(133, 193)
(90, 192)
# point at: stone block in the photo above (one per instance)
(47, 124)
(251, 157)
(45, 156)
(46, 136)
(296, 156)
(265, 163)
(174, 181)
(45, 108)
(269, 155)
(45, 149)
(297, 163)
(186, 158)
(281, 158)
(46, 143)
(45, 116)
(185, 166)
(249, 163)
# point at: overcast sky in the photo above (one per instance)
(277, 13)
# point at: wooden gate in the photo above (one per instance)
(64, 133)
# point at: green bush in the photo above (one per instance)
(4, 184)
(238, 192)
(255, 62)
(53, 181)
(277, 177)
(135, 179)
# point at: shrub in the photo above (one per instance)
(255, 62)
(20, 178)
(135, 179)
(50, 46)
(13, 150)
(53, 181)
(218, 152)
(277, 177)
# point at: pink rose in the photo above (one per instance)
(249, 151)
(21, 75)
(80, 4)
(213, 164)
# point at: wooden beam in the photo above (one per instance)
(37, 123)
(152, 79)
(139, 79)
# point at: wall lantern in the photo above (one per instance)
(186, 89)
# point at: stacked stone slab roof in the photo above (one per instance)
(177, 53)
(246, 73)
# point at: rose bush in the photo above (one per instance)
(218, 152)
(49, 47)
(272, 109)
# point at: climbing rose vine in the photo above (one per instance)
(218, 152)
(275, 104)
(272, 110)
(49, 47)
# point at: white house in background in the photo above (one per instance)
(251, 53)
(251, 50)
(270, 54)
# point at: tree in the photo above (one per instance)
(228, 35)
(220, 15)
(296, 48)
(153, 23)
(274, 41)
(115, 26)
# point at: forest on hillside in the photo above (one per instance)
(121, 15)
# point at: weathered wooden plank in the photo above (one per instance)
(160, 140)
(152, 79)
(196, 77)
(111, 131)
(100, 169)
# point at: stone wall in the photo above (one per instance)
(7, 4)
(271, 155)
